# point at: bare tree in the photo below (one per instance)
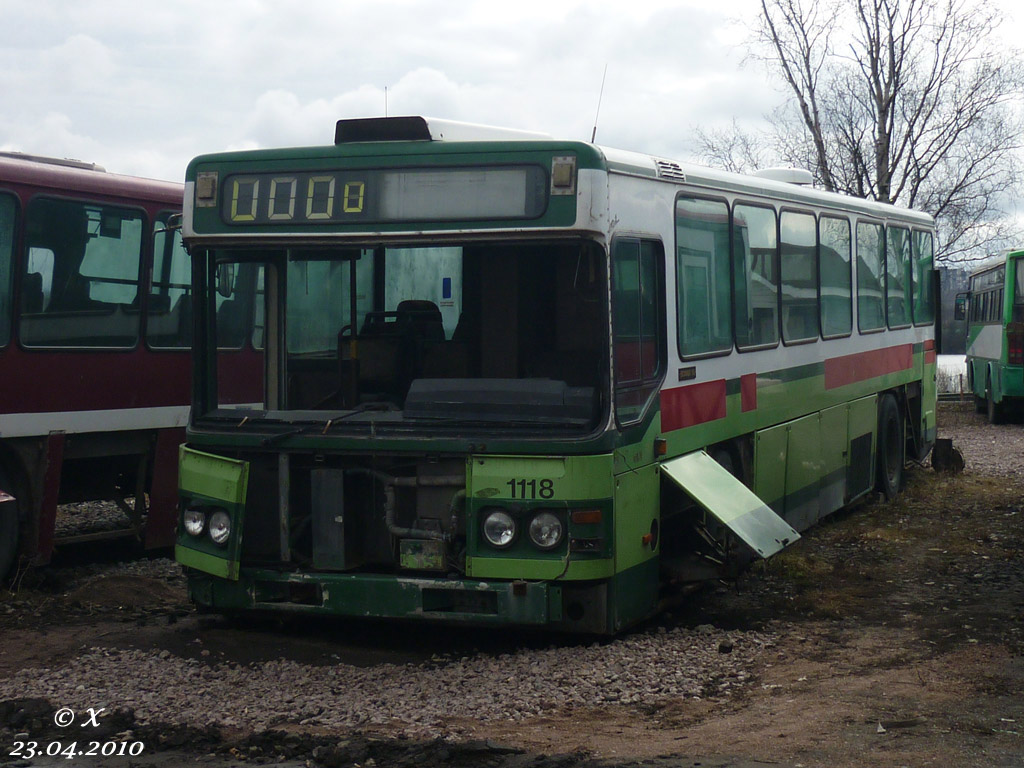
(901, 101)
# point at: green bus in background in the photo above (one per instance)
(994, 310)
(513, 380)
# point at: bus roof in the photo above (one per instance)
(395, 136)
(67, 177)
(996, 260)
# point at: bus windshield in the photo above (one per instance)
(490, 334)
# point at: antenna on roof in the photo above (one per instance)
(600, 95)
(385, 101)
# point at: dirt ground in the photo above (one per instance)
(902, 630)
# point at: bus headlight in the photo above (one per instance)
(220, 527)
(499, 529)
(546, 531)
(194, 521)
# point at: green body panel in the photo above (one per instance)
(633, 594)
(770, 447)
(215, 564)
(834, 448)
(212, 477)
(530, 483)
(804, 470)
(212, 482)
(1006, 381)
(815, 451)
(573, 477)
(637, 505)
(524, 568)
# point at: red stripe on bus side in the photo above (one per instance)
(696, 404)
(929, 351)
(849, 369)
(748, 392)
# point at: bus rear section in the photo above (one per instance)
(995, 337)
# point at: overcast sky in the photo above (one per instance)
(140, 87)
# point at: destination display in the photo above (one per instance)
(385, 195)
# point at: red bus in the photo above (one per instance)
(95, 352)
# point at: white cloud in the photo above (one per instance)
(142, 89)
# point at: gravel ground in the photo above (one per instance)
(648, 669)
(419, 700)
(987, 449)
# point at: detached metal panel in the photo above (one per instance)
(731, 503)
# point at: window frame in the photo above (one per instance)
(817, 276)
(144, 252)
(861, 331)
(908, 298)
(732, 237)
(913, 285)
(654, 383)
(728, 350)
(851, 288)
(163, 215)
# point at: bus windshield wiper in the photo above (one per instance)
(279, 436)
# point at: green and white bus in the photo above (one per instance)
(995, 335)
(514, 380)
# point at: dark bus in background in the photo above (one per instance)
(95, 338)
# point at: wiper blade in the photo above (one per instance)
(279, 436)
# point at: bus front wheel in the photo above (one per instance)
(890, 447)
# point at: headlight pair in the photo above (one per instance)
(216, 522)
(545, 530)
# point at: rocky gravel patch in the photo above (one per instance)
(641, 670)
(987, 449)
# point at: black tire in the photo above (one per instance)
(8, 530)
(993, 410)
(891, 447)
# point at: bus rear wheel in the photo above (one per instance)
(890, 447)
(993, 410)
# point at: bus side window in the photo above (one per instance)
(870, 252)
(169, 312)
(960, 308)
(798, 273)
(704, 304)
(638, 319)
(834, 277)
(897, 277)
(87, 258)
(756, 277)
(924, 297)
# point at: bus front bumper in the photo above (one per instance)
(381, 596)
